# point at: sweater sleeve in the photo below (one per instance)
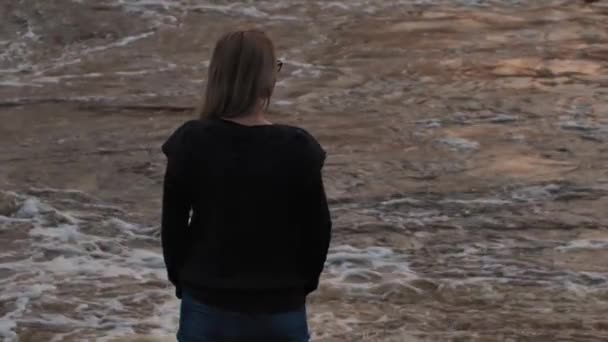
(176, 205)
(318, 230)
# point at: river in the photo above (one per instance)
(467, 168)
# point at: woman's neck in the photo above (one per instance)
(255, 119)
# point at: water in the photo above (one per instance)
(466, 169)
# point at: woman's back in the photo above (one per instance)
(257, 209)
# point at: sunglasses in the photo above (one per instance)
(279, 65)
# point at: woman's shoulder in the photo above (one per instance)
(305, 142)
(297, 132)
(182, 138)
(299, 135)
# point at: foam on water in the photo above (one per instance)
(119, 266)
(15, 83)
(163, 12)
(357, 269)
(239, 9)
(156, 14)
(83, 272)
(585, 244)
(78, 269)
(69, 58)
(460, 143)
(7, 327)
(37, 75)
(478, 201)
(85, 248)
(16, 51)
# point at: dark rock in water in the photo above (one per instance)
(8, 204)
(425, 284)
(537, 192)
(430, 123)
(591, 137)
(577, 125)
(462, 118)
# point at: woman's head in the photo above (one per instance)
(242, 75)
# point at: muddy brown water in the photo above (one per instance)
(467, 165)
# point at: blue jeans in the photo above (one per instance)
(201, 323)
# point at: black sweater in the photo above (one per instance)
(245, 222)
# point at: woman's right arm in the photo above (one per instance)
(318, 231)
(316, 216)
(176, 204)
(174, 225)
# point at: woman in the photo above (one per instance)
(246, 226)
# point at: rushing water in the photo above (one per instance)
(467, 169)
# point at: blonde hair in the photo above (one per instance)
(242, 75)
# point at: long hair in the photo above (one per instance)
(242, 75)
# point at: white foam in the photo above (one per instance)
(124, 41)
(361, 269)
(476, 201)
(536, 192)
(577, 290)
(6, 219)
(368, 267)
(304, 70)
(30, 34)
(60, 247)
(460, 143)
(235, 8)
(417, 217)
(7, 327)
(63, 233)
(75, 57)
(29, 209)
(19, 84)
(584, 244)
(334, 4)
(283, 103)
(9, 322)
(57, 79)
(306, 73)
(402, 200)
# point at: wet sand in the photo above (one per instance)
(467, 167)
